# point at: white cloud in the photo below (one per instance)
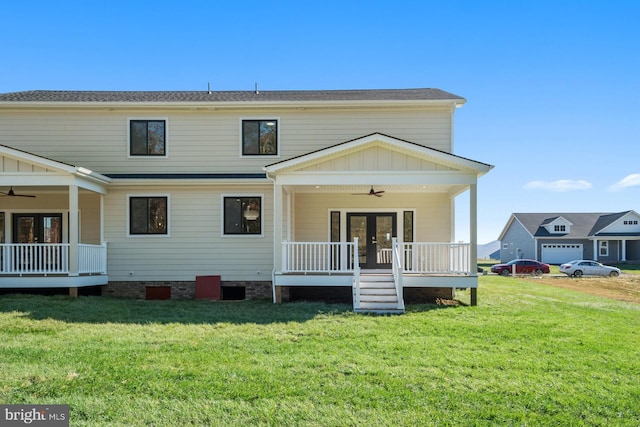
(632, 180)
(558, 186)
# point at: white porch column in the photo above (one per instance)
(595, 250)
(624, 250)
(101, 218)
(73, 230)
(277, 236)
(473, 232)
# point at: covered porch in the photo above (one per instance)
(377, 215)
(51, 223)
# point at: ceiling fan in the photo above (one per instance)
(11, 193)
(371, 192)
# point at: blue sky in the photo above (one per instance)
(552, 87)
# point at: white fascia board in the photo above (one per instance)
(38, 179)
(128, 182)
(377, 178)
(238, 105)
(53, 179)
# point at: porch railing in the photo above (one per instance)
(50, 258)
(437, 258)
(398, 270)
(318, 257)
(418, 258)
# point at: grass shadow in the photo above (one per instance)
(129, 311)
(90, 309)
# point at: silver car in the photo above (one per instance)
(585, 267)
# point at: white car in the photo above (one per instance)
(588, 268)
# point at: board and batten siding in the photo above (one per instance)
(208, 142)
(432, 214)
(376, 159)
(196, 245)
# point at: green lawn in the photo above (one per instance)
(528, 354)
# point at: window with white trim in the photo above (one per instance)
(242, 215)
(259, 137)
(148, 137)
(604, 248)
(148, 215)
(559, 228)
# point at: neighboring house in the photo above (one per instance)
(269, 190)
(555, 238)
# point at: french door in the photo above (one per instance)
(374, 232)
(37, 228)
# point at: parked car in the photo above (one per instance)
(585, 267)
(523, 266)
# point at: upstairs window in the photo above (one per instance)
(559, 228)
(148, 215)
(147, 137)
(260, 137)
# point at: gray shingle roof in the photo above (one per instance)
(584, 224)
(229, 96)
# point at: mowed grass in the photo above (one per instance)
(529, 354)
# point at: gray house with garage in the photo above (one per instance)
(555, 238)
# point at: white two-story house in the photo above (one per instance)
(287, 194)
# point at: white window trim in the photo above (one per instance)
(166, 138)
(262, 215)
(147, 236)
(603, 244)
(278, 131)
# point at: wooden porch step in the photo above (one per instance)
(378, 295)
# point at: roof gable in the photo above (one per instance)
(18, 164)
(377, 152)
(621, 223)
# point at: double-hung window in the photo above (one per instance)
(242, 215)
(604, 248)
(148, 137)
(148, 215)
(259, 137)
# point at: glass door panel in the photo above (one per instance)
(31, 229)
(374, 232)
(357, 226)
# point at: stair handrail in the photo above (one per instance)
(356, 275)
(398, 270)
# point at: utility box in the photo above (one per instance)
(208, 287)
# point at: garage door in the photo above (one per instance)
(557, 254)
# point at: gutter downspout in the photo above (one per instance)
(273, 271)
